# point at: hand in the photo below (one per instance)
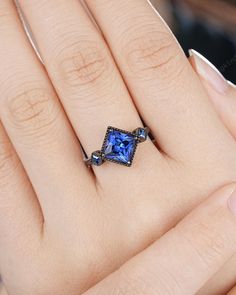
(183, 259)
(224, 101)
(72, 227)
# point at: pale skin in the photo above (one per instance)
(67, 226)
(182, 260)
(225, 106)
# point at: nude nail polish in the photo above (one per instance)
(209, 72)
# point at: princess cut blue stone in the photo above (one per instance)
(119, 146)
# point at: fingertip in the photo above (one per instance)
(225, 196)
(232, 85)
(222, 93)
(209, 72)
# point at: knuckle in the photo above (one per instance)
(7, 157)
(84, 63)
(130, 284)
(155, 54)
(8, 160)
(31, 109)
(209, 246)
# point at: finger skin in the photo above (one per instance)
(164, 87)
(233, 291)
(183, 259)
(224, 101)
(2, 290)
(222, 281)
(225, 106)
(21, 218)
(36, 123)
(85, 75)
(223, 97)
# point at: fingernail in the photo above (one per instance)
(231, 84)
(209, 72)
(232, 202)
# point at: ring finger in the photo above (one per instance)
(82, 70)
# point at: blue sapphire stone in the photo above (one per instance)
(97, 158)
(119, 146)
(141, 133)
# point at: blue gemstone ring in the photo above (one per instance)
(119, 146)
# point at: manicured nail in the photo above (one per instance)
(209, 72)
(231, 84)
(232, 202)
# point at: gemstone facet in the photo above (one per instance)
(141, 133)
(119, 146)
(97, 158)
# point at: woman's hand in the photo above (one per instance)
(223, 98)
(185, 258)
(66, 226)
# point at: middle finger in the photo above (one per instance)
(154, 67)
(82, 70)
